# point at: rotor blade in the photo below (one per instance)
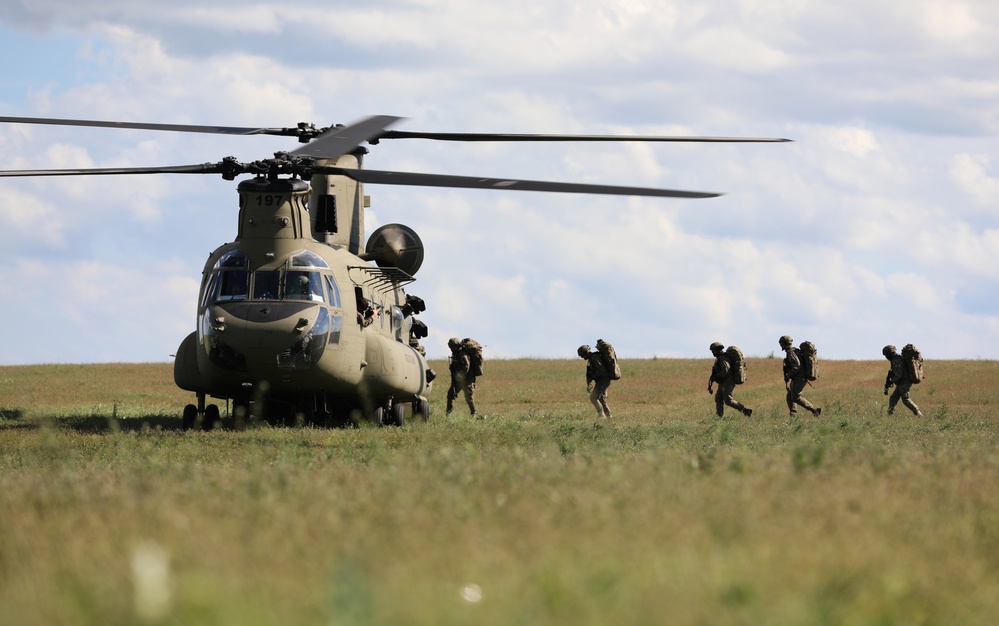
(183, 128)
(204, 168)
(474, 182)
(406, 134)
(341, 140)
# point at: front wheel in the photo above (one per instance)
(211, 417)
(190, 417)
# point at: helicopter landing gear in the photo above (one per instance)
(204, 416)
(211, 417)
(421, 408)
(190, 417)
(398, 414)
(321, 411)
(392, 413)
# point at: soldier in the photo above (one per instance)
(721, 373)
(598, 379)
(794, 378)
(898, 375)
(366, 312)
(462, 377)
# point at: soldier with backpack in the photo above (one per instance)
(906, 370)
(798, 370)
(601, 369)
(728, 371)
(465, 366)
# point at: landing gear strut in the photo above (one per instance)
(206, 416)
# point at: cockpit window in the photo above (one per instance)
(229, 279)
(306, 258)
(232, 258)
(300, 285)
(271, 284)
(233, 285)
(266, 284)
(208, 295)
(334, 292)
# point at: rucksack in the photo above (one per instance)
(738, 363)
(473, 349)
(809, 360)
(913, 363)
(610, 359)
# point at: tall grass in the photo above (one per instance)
(536, 512)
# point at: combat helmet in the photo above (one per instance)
(785, 341)
(453, 342)
(716, 347)
(583, 351)
(888, 350)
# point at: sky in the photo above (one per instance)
(879, 224)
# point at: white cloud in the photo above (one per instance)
(971, 172)
(949, 21)
(27, 221)
(92, 311)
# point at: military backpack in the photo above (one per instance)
(473, 349)
(610, 359)
(809, 360)
(738, 363)
(913, 363)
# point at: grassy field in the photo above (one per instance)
(534, 513)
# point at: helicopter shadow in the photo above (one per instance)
(14, 419)
(97, 424)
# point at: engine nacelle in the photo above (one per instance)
(395, 245)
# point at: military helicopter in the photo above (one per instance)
(294, 313)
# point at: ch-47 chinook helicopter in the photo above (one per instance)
(294, 312)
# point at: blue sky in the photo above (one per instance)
(879, 224)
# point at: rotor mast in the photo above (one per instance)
(337, 205)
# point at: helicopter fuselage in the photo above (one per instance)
(312, 324)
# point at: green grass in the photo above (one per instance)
(536, 513)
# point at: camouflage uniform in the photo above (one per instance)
(721, 373)
(794, 378)
(462, 379)
(598, 380)
(898, 376)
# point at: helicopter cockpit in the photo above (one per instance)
(302, 278)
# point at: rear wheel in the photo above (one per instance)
(421, 407)
(398, 414)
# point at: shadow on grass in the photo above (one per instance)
(13, 419)
(18, 419)
(10, 414)
(101, 424)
